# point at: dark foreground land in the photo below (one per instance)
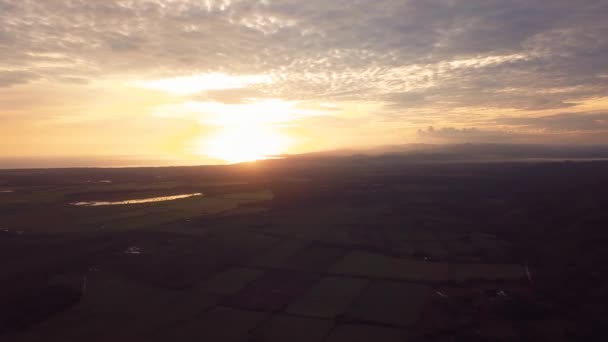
(307, 249)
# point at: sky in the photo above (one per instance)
(231, 80)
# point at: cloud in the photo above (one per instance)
(193, 84)
(558, 128)
(322, 44)
(561, 122)
(262, 112)
(9, 78)
(468, 135)
(231, 96)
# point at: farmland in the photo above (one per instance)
(308, 249)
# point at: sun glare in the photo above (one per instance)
(244, 144)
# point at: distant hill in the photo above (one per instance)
(472, 152)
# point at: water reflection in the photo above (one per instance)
(133, 250)
(137, 201)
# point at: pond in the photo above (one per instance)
(136, 201)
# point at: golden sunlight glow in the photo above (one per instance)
(253, 130)
(236, 144)
(186, 85)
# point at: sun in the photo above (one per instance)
(244, 144)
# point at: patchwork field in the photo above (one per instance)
(321, 252)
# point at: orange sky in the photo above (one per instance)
(226, 81)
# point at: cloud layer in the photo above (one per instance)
(449, 63)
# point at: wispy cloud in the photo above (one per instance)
(186, 85)
(264, 111)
